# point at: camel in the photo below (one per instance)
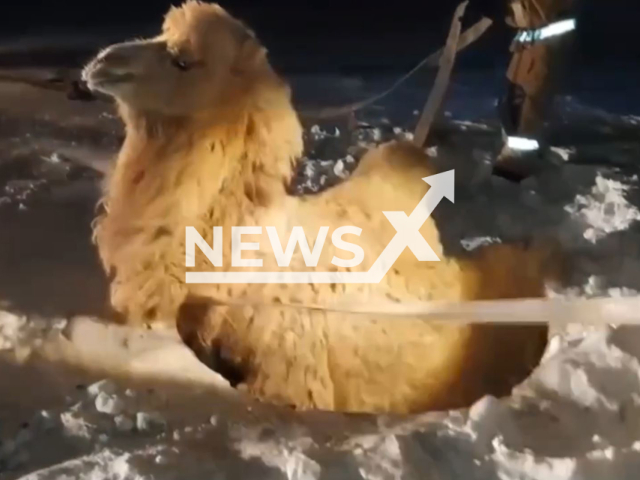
(211, 141)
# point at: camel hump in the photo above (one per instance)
(517, 269)
(396, 157)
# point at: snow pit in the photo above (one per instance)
(576, 417)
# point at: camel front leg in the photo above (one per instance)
(276, 355)
(146, 296)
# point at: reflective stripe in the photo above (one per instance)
(521, 143)
(552, 30)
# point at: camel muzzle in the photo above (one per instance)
(115, 65)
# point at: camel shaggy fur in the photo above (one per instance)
(211, 141)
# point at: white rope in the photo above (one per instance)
(557, 311)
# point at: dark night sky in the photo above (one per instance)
(403, 31)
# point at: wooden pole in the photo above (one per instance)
(436, 97)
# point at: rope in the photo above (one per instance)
(556, 311)
(466, 38)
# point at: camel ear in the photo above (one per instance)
(250, 56)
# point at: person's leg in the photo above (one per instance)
(544, 28)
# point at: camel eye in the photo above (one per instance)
(181, 65)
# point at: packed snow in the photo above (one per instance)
(576, 417)
(605, 209)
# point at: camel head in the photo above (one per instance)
(202, 61)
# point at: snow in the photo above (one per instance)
(605, 209)
(53, 158)
(106, 465)
(470, 244)
(513, 464)
(402, 134)
(289, 460)
(109, 404)
(564, 153)
(18, 331)
(148, 421)
(124, 423)
(633, 119)
(465, 124)
(11, 327)
(338, 169)
(379, 457)
(102, 387)
(432, 151)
